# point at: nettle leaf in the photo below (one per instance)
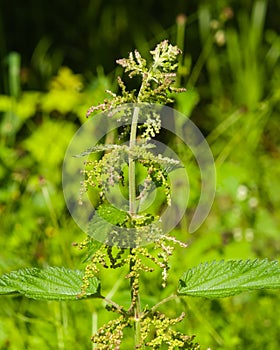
(52, 283)
(112, 214)
(227, 278)
(103, 221)
(98, 228)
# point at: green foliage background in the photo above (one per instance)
(57, 59)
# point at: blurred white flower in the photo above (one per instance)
(242, 192)
(253, 202)
(249, 235)
(237, 234)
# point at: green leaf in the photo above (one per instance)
(104, 219)
(98, 228)
(105, 223)
(52, 283)
(226, 278)
(112, 214)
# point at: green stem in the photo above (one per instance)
(137, 312)
(132, 212)
(131, 164)
(165, 300)
(117, 307)
(135, 307)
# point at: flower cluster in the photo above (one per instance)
(158, 79)
(160, 325)
(109, 336)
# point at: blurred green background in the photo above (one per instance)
(57, 58)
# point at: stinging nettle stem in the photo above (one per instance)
(133, 212)
(131, 164)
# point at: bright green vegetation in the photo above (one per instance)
(233, 95)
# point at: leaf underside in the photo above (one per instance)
(220, 279)
(52, 283)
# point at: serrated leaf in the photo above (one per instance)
(98, 228)
(227, 278)
(105, 220)
(52, 283)
(112, 214)
(6, 288)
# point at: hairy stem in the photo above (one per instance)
(137, 311)
(135, 307)
(133, 211)
(131, 164)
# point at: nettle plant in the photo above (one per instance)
(125, 234)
